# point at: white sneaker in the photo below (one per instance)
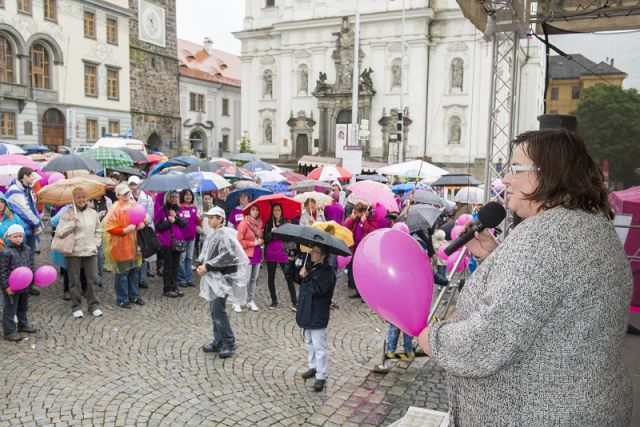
(97, 312)
(236, 308)
(252, 305)
(78, 314)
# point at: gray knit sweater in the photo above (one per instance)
(537, 334)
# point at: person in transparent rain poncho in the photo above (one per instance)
(223, 269)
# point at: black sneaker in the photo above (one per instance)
(124, 304)
(319, 385)
(191, 285)
(182, 285)
(27, 329)
(171, 294)
(210, 348)
(308, 374)
(179, 293)
(225, 352)
(143, 285)
(274, 304)
(139, 301)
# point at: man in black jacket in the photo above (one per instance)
(314, 306)
(15, 254)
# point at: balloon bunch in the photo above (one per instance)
(21, 277)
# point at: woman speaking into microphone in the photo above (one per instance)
(537, 333)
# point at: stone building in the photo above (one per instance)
(155, 107)
(209, 99)
(297, 62)
(64, 70)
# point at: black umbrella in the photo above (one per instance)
(136, 155)
(72, 162)
(245, 157)
(167, 182)
(421, 217)
(202, 167)
(425, 197)
(455, 180)
(130, 171)
(373, 177)
(311, 236)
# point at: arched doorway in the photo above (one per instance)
(154, 142)
(198, 140)
(302, 145)
(53, 128)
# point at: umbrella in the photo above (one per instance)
(413, 169)
(6, 148)
(455, 180)
(18, 160)
(407, 186)
(370, 193)
(336, 230)
(166, 182)
(35, 148)
(244, 157)
(373, 177)
(258, 165)
(270, 176)
(136, 155)
(59, 193)
(293, 177)
(44, 157)
(233, 172)
(109, 158)
(130, 171)
(425, 197)
(253, 193)
(470, 195)
(421, 217)
(311, 236)
(209, 181)
(184, 160)
(330, 173)
(110, 183)
(10, 172)
(246, 184)
(321, 199)
(221, 161)
(202, 167)
(276, 187)
(310, 185)
(291, 208)
(154, 158)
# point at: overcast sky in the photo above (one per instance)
(215, 19)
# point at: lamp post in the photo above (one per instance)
(401, 142)
(355, 79)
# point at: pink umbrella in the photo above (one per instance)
(19, 160)
(371, 192)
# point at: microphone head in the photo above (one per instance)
(491, 214)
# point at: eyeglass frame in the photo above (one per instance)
(515, 169)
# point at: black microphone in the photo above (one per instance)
(489, 216)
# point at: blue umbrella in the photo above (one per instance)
(258, 165)
(277, 187)
(167, 182)
(185, 160)
(407, 186)
(35, 148)
(253, 193)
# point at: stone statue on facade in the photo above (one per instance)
(455, 131)
(396, 75)
(268, 84)
(365, 79)
(457, 73)
(268, 132)
(303, 84)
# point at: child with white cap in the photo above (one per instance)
(15, 254)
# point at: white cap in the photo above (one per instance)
(15, 228)
(134, 180)
(215, 211)
(122, 189)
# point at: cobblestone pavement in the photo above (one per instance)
(144, 366)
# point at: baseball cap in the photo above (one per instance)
(122, 189)
(215, 211)
(134, 180)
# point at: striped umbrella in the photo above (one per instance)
(330, 173)
(109, 158)
(19, 160)
(233, 172)
(293, 177)
(209, 181)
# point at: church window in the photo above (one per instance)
(225, 106)
(396, 74)
(303, 79)
(457, 73)
(267, 84)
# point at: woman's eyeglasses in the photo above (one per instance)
(515, 169)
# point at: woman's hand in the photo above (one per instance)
(172, 219)
(423, 340)
(201, 270)
(482, 244)
(304, 272)
(258, 242)
(9, 291)
(141, 226)
(129, 229)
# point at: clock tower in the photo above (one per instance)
(155, 96)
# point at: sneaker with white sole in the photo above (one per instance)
(237, 308)
(252, 305)
(97, 312)
(78, 314)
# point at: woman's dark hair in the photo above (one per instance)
(324, 250)
(273, 218)
(567, 175)
(183, 193)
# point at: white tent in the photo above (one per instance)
(414, 169)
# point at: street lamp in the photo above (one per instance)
(355, 79)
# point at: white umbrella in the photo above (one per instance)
(11, 148)
(470, 195)
(414, 169)
(10, 172)
(270, 176)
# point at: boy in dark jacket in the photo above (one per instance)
(15, 254)
(314, 305)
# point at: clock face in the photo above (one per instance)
(151, 23)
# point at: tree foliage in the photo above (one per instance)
(609, 121)
(245, 144)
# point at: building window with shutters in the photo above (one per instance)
(575, 92)
(7, 124)
(50, 10)
(114, 127)
(90, 80)
(555, 93)
(225, 143)
(89, 24)
(112, 31)
(24, 6)
(6, 60)
(196, 102)
(92, 130)
(39, 67)
(113, 84)
(225, 106)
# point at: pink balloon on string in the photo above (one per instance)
(441, 253)
(44, 178)
(456, 231)
(343, 261)
(20, 278)
(401, 226)
(45, 276)
(452, 261)
(463, 220)
(137, 214)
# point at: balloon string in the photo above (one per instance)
(413, 192)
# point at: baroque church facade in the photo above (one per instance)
(297, 64)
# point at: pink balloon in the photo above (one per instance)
(456, 231)
(45, 276)
(137, 214)
(394, 277)
(55, 177)
(441, 253)
(401, 226)
(343, 261)
(20, 278)
(452, 260)
(463, 220)
(44, 180)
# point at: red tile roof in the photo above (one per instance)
(217, 66)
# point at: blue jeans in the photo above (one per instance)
(316, 340)
(127, 286)
(14, 304)
(392, 340)
(223, 336)
(100, 265)
(143, 271)
(185, 273)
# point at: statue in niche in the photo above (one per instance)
(455, 131)
(365, 79)
(457, 73)
(268, 131)
(396, 75)
(303, 84)
(267, 80)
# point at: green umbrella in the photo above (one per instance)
(109, 158)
